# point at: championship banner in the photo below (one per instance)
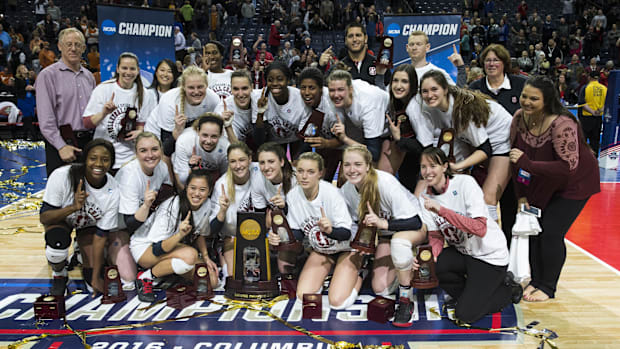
(442, 31)
(146, 32)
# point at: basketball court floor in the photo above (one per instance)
(584, 314)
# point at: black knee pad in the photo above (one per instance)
(169, 146)
(58, 238)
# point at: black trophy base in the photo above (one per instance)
(364, 248)
(290, 246)
(121, 297)
(48, 307)
(251, 291)
(424, 284)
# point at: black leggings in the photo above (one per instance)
(477, 286)
(547, 250)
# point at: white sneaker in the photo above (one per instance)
(128, 285)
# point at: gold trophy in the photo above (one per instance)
(365, 239)
(424, 277)
(112, 286)
(446, 142)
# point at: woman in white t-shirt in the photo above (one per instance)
(278, 110)
(363, 107)
(317, 210)
(472, 269)
(110, 104)
(144, 183)
(219, 78)
(179, 223)
(85, 197)
(236, 109)
(201, 146)
(166, 75)
(232, 192)
(479, 122)
(376, 199)
(316, 97)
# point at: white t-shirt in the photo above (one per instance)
(110, 126)
(396, 202)
(162, 117)
(262, 190)
(327, 108)
(166, 223)
(215, 160)
(497, 130)
(220, 83)
(367, 113)
(465, 197)
(430, 66)
(283, 120)
(243, 200)
(100, 208)
(132, 184)
(242, 121)
(304, 215)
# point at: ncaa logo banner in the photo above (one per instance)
(146, 32)
(442, 31)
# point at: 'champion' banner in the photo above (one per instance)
(146, 32)
(442, 31)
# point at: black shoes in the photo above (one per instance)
(59, 285)
(403, 317)
(515, 288)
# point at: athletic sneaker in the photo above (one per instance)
(128, 285)
(59, 285)
(145, 289)
(403, 317)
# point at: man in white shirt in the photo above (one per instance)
(179, 44)
(417, 47)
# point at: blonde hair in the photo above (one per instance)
(369, 191)
(230, 182)
(313, 157)
(338, 74)
(418, 33)
(192, 70)
(146, 134)
(67, 31)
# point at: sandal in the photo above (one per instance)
(528, 290)
(536, 296)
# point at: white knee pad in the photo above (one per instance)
(492, 212)
(347, 302)
(55, 255)
(179, 266)
(402, 255)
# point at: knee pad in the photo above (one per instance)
(180, 267)
(492, 212)
(402, 255)
(56, 256)
(58, 238)
(347, 302)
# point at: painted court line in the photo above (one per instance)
(616, 271)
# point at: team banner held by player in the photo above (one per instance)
(146, 32)
(442, 31)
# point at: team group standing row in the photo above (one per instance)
(208, 146)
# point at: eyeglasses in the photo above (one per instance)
(71, 45)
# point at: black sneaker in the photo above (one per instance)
(515, 288)
(145, 290)
(403, 317)
(59, 285)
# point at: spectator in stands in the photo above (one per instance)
(15, 58)
(50, 28)
(63, 90)
(275, 37)
(93, 59)
(5, 38)
(567, 95)
(525, 62)
(53, 11)
(92, 34)
(604, 75)
(258, 75)
(24, 91)
(534, 36)
(287, 52)
(40, 9)
(307, 44)
(465, 45)
(260, 46)
(504, 32)
(600, 17)
(568, 9)
(613, 35)
(247, 12)
(215, 20)
(547, 28)
(316, 23)
(46, 56)
(563, 28)
(179, 43)
(187, 15)
(552, 51)
(593, 66)
(478, 33)
(326, 11)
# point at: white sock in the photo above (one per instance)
(63, 272)
(493, 212)
(146, 275)
(405, 292)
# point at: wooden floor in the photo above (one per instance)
(585, 313)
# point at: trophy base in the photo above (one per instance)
(288, 286)
(251, 291)
(369, 249)
(424, 284)
(312, 306)
(381, 309)
(49, 307)
(114, 299)
(290, 246)
(180, 297)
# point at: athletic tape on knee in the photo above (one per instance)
(402, 255)
(56, 256)
(347, 302)
(179, 266)
(58, 238)
(492, 212)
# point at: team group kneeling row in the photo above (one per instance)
(160, 198)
